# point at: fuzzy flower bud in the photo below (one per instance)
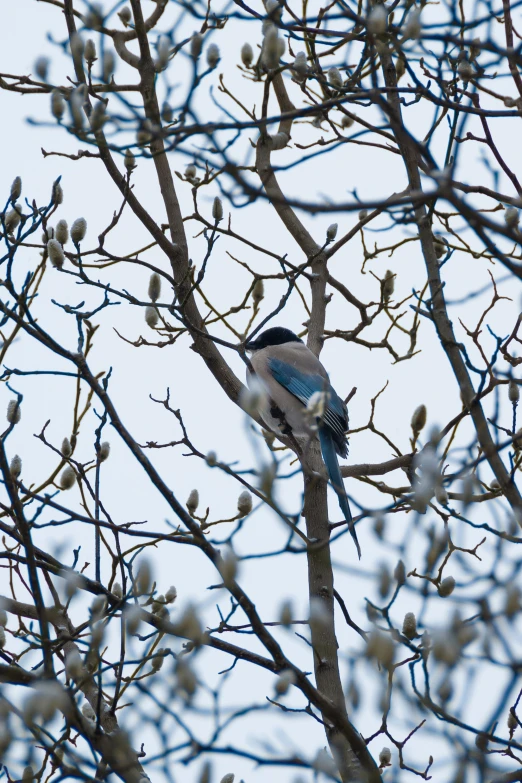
(273, 48)
(465, 70)
(347, 122)
(55, 253)
(385, 757)
(132, 619)
(171, 595)
(418, 420)
(211, 459)
(284, 681)
(213, 55)
(78, 230)
(125, 15)
(77, 46)
(228, 566)
(413, 27)
(14, 412)
(66, 447)
(244, 503)
(191, 172)
(154, 287)
(331, 232)
(88, 711)
(400, 573)
(74, 665)
(196, 44)
(98, 117)
(286, 615)
(57, 104)
(62, 232)
(90, 52)
(12, 220)
(41, 67)
(247, 55)
(68, 478)
(129, 161)
(143, 578)
(217, 209)
(105, 450)
(57, 193)
(16, 189)
(513, 391)
(151, 317)
(15, 468)
(377, 21)
(409, 625)
(28, 774)
(388, 285)
(163, 52)
(167, 114)
(511, 217)
(335, 79)
(117, 590)
(300, 66)
(512, 722)
(109, 64)
(446, 587)
(228, 778)
(193, 501)
(258, 292)
(157, 662)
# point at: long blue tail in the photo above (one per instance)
(334, 472)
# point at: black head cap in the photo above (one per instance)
(277, 335)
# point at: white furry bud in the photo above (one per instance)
(418, 420)
(78, 230)
(286, 615)
(335, 79)
(258, 291)
(129, 161)
(211, 459)
(465, 70)
(143, 577)
(62, 232)
(244, 503)
(273, 48)
(400, 573)
(74, 665)
(413, 27)
(409, 625)
(28, 774)
(228, 778)
(117, 590)
(191, 172)
(14, 412)
(41, 67)
(98, 117)
(163, 52)
(284, 681)
(511, 217)
(513, 391)
(16, 189)
(193, 501)
(388, 285)
(125, 15)
(66, 447)
(446, 587)
(57, 104)
(377, 21)
(217, 209)
(157, 662)
(213, 55)
(88, 711)
(55, 253)
(132, 616)
(154, 287)
(228, 566)
(12, 220)
(15, 468)
(196, 44)
(68, 478)
(167, 115)
(105, 450)
(385, 757)
(247, 55)
(77, 46)
(90, 53)
(109, 64)
(171, 595)
(331, 232)
(151, 317)
(300, 66)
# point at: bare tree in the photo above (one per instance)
(102, 674)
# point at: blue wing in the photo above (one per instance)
(331, 430)
(303, 386)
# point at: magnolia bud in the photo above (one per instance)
(284, 681)
(465, 70)
(117, 590)
(108, 65)
(11, 220)
(90, 52)
(166, 112)
(77, 46)
(163, 52)
(105, 450)
(129, 161)
(400, 573)
(286, 615)
(247, 55)
(258, 292)
(66, 447)
(363, 213)
(228, 778)
(273, 48)
(98, 117)
(57, 104)
(377, 21)
(413, 27)
(78, 230)
(154, 287)
(143, 578)
(74, 665)
(213, 56)
(57, 192)
(151, 317)
(76, 101)
(388, 285)
(385, 757)
(511, 217)
(68, 478)
(409, 625)
(193, 501)
(244, 503)
(196, 43)
(512, 721)
(228, 566)
(55, 253)
(347, 121)
(217, 209)
(300, 66)
(88, 711)
(125, 15)
(28, 774)
(513, 391)
(384, 580)
(41, 67)
(418, 420)
(132, 618)
(211, 459)
(15, 468)
(157, 661)
(331, 232)
(446, 587)
(16, 189)
(335, 78)
(171, 595)
(14, 412)
(62, 232)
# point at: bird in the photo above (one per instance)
(302, 401)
